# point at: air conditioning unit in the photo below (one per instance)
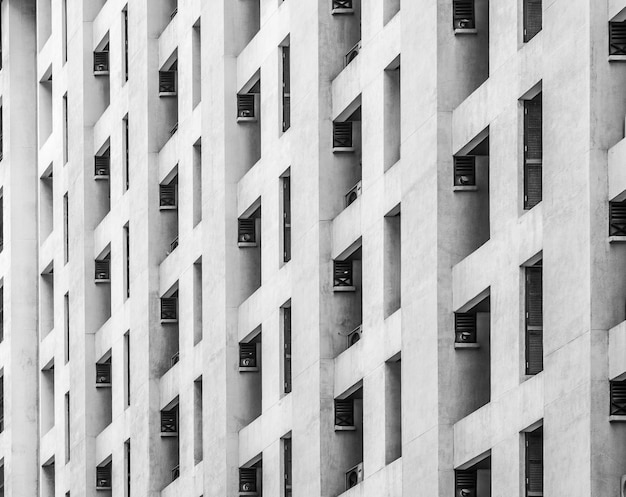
(342, 137)
(463, 15)
(342, 7)
(245, 107)
(247, 481)
(102, 166)
(464, 170)
(344, 414)
(169, 423)
(169, 309)
(103, 271)
(101, 63)
(103, 374)
(168, 197)
(354, 476)
(465, 483)
(355, 335)
(353, 194)
(351, 55)
(464, 328)
(246, 232)
(248, 357)
(167, 83)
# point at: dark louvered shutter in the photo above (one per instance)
(169, 421)
(103, 476)
(167, 82)
(534, 462)
(342, 4)
(618, 398)
(465, 483)
(464, 170)
(465, 327)
(167, 195)
(342, 134)
(533, 152)
(247, 355)
(287, 463)
(245, 105)
(617, 218)
(247, 479)
(286, 219)
(102, 165)
(103, 270)
(342, 273)
(532, 18)
(101, 61)
(617, 38)
(534, 320)
(169, 308)
(246, 230)
(103, 373)
(344, 412)
(463, 14)
(287, 347)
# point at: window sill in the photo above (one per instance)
(617, 418)
(467, 31)
(246, 119)
(344, 289)
(617, 58)
(466, 345)
(342, 11)
(617, 239)
(169, 434)
(169, 321)
(345, 428)
(343, 150)
(247, 244)
(243, 369)
(467, 188)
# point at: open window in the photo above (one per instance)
(533, 278)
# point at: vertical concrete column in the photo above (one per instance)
(374, 433)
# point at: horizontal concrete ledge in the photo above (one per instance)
(343, 150)
(469, 31)
(345, 428)
(342, 11)
(248, 370)
(617, 58)
(344, 289)
(466, 345)
(469, 188)
(617, 239)
(617, 418)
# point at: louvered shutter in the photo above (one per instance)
(101, 61)
(534, 320)
(103, 373)
(169, 421)
(103, 476)
(247, 355)
(533, 152)
(286, 89)
(617, 218)
(169, 308)
(245, 105)
(167, 82)
(247, 479)
(617, 38)
(618, 398)
(465, 327)
(246, 230)
(342, 134)
(102, 165)
(532, 18)
(534, 463)
(342, 4)
(103, 269)
(344, 412)
(463, 14)
(464, 170)
(465, 483)
(342, 273)
(287, 347)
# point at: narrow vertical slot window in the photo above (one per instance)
(286, 218)
(66, 325)
(127, 368)
(1, 134)
(1, 403)
(126, 155)
(64, 30)
(287, 449)
(534, 462)
(197, 183)
(197, 446)
(127, 261)
(127, 467)
(287, 349)
(534, 319)
(1, 221)
(1, 313)
(286, 88)
(67, 427)
(197, 63)
(66, 248)
(533, 152)
(125, 41)
(65, 130)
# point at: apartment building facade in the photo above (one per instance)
(313, 248)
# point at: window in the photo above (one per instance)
(65, 130)
(127, 466)
(196, 50)
(127, 367)
(126, 155)
(532, 19)
(127, 259)
(286, 180)
(534, 463)
(64, 31)
(287, 349)
(125, 41)
(1, 221)
(533, 152)
(1, 404)
(287, 465)
(103, 477)
(286, 88)
(67, 427)
(534, 319)
(66, 325)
